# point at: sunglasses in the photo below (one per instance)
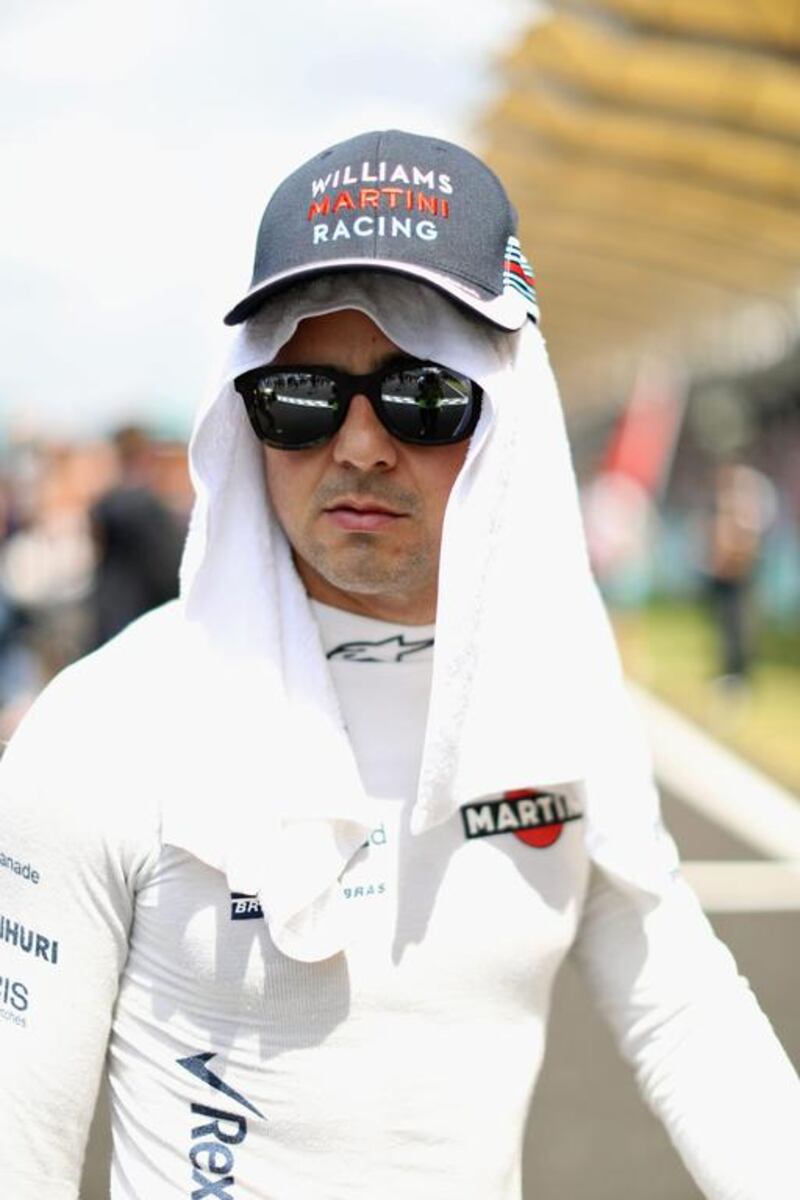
(422, 403)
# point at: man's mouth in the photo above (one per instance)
(362, 515)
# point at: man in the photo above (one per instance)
(321, 909)
(137, 539)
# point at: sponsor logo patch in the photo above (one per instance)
(534, 816)
(23, 869)
(244, 907)
(14, 1001)
(28, 940)
(210, 1154)
(364, 890)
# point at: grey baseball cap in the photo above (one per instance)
(400, 202)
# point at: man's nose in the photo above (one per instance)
(362, 441)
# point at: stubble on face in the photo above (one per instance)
(364, 564)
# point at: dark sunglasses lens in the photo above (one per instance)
(428, 404)
(294, 408)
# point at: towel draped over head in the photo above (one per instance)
(526, 687)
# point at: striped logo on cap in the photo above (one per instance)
(518, 274)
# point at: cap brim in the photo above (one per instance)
(508, 311)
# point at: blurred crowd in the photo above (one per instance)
(90, 537)
(694, 496)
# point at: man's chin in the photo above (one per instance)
(364, 575)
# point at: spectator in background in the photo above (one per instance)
(743, 506)
(138, 541)
(45, 570)
(19, 671)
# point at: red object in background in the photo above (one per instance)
(644, 439)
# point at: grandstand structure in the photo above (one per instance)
(652, 148)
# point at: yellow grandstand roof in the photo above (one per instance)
(653, 150)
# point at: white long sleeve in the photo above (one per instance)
(67, 874)
(706, 1058)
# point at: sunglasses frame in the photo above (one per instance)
(351, 385)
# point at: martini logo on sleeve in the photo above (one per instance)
(534, 816)
(210, 1154)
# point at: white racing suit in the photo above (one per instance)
(318, 933)
(402, 1068)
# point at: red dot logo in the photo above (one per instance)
(541, 836)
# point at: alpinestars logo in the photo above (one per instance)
(391, 649)
(535, 817)
(210, 1155)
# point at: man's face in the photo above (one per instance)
(364, 512)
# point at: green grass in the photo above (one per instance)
(671, 648)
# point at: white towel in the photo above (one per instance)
(527, 689)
